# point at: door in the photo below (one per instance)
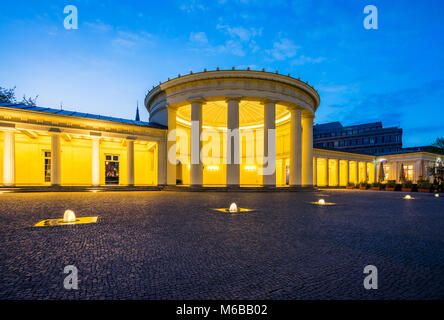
(112, 169)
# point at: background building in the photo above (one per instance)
(369, 138)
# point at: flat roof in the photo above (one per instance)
(80, 115)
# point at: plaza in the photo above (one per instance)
(171, 245)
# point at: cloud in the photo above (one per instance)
(192, 5)
(307, 60)
(283, 49)
(385, 106)
(127, 39)
(99, 26)
(243, 34)
(198, 37)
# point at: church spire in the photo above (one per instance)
(137, 112)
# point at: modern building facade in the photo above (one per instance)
(369, 138)
(215, 128)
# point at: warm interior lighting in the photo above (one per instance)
(69, 216)
(408, 197)
(257, 126)
(250, 168)
(212, 168)
(233, 207)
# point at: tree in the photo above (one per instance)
(439, 143)
(8, 96)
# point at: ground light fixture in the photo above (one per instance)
(408, 197)
(69, 218)
(322, 202)
(233, 208)
(436, 195)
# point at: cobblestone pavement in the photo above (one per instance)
(172, 245)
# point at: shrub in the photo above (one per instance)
(424, 184)
(363, 184)
(350, 184)
(407, 184)
(376, 184)
(391, 184)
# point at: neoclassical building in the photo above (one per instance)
(213, 128)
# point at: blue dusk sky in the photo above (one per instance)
(122, 48)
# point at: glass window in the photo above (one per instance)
(47, 166)
(116, 158)
(108, 157)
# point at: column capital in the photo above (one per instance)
(54, 131)
(171, 108)
(196, 100)
(308, 116)
(4, 126)
(264, 101)
(233, 98)
(95, 135)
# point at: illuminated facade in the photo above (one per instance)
(213, 128)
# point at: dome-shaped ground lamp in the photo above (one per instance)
(233, 208)
(69, 218)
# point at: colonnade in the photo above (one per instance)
(351, 172)
(301, 146)
(9, 155)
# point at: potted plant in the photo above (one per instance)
(407, 186)
(390, 185)
(424, 185)
(376, 186)
(350, 185)
(363, 186)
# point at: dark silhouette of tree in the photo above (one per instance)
(8, 96)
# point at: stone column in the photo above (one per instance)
(233, 147)
(295, 147)
(56, 159)
(162, 161)
(171, 147)
(357, 172)
(327, 172)
(337, 173)
(130, 162)
(196, 174)
(9, 157)
(365, 172)
(269, 178)
(347, 172)
(95, 161)
(315, 171)
(307, 150)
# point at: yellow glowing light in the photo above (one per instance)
(250, 168)
(69, 216)
(212, 168)
(257, 126)
(233, 207)
(436, 195)
(408, 197)
(61, 222)
(321, 201)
